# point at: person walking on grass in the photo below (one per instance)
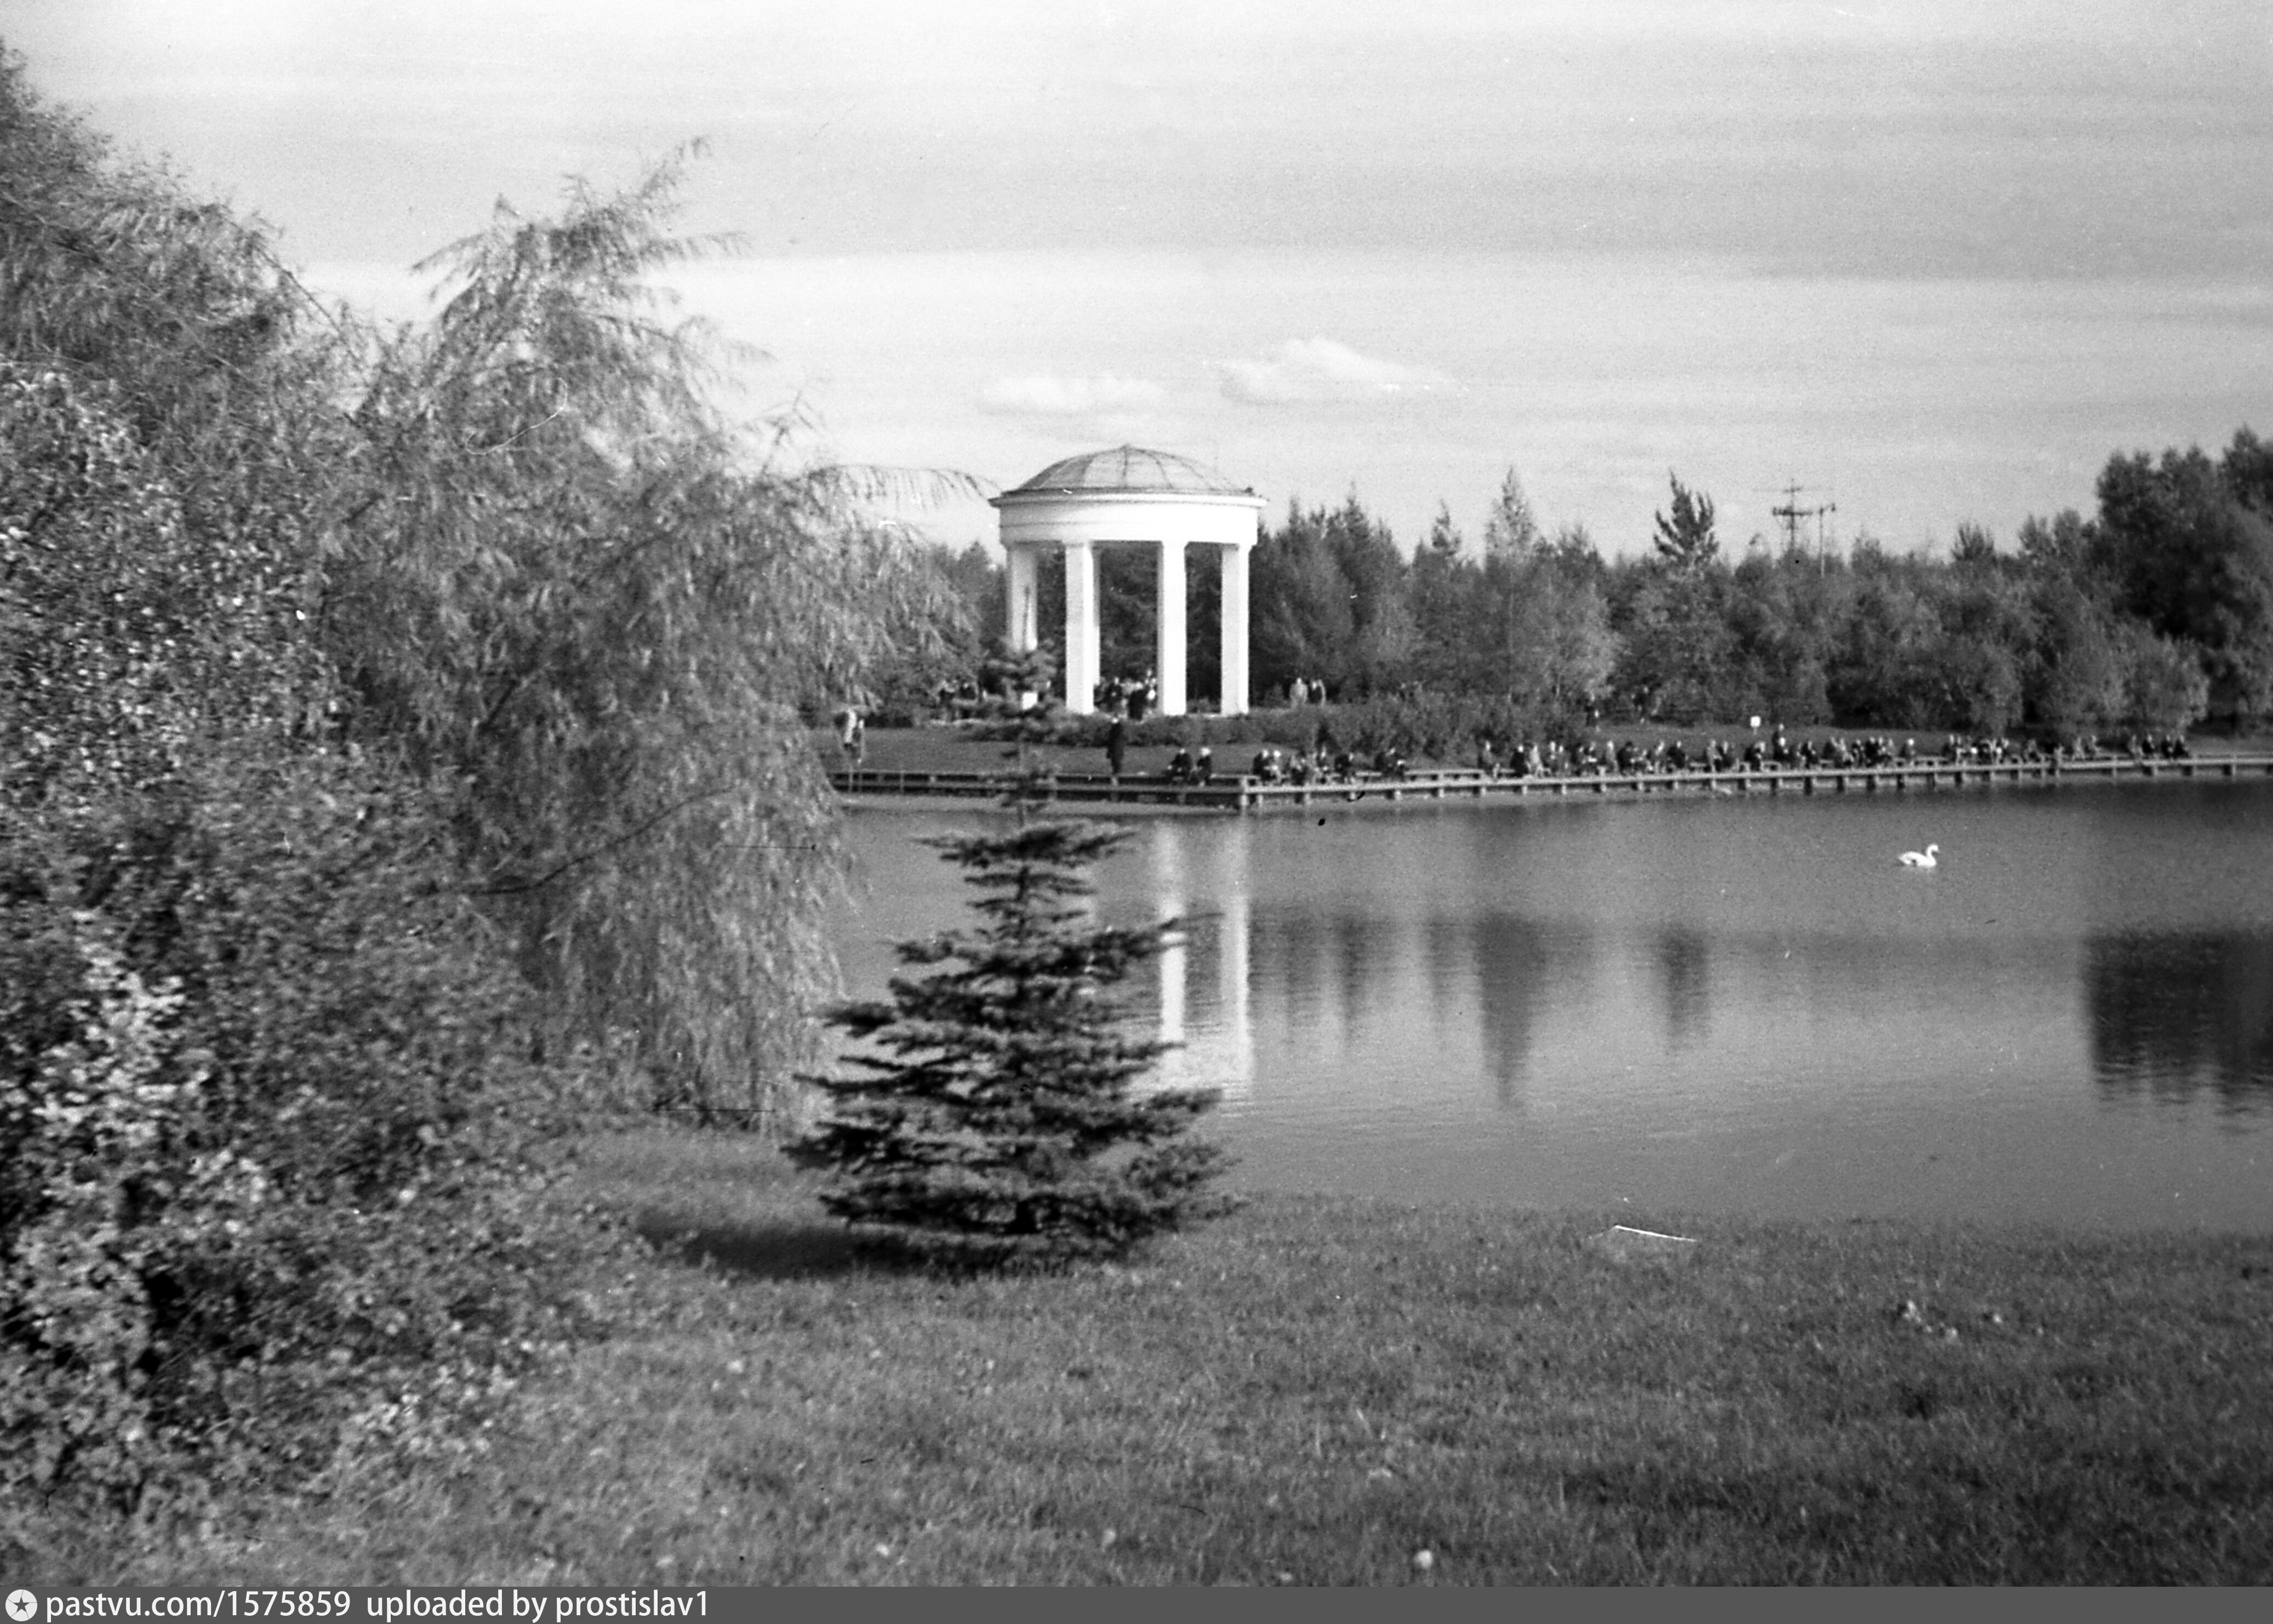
(1116, 744)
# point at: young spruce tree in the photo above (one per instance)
(999, 1117)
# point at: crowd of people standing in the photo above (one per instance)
(1328, 761)
(1554, 759)
(1133, 697)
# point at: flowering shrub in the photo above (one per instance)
(91, 1119)
(272, 1122)
(272, 1137)
(125, 631)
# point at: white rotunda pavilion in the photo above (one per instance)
(1132, 497)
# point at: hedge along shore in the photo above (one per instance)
(1315, 1391)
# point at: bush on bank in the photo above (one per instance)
(274, 1113)
(272, 1137)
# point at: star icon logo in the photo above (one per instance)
(23, 1607)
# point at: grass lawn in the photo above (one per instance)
(1316, 1391)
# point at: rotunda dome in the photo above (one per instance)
(1131, 468)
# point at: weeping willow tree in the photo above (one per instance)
(571, 589)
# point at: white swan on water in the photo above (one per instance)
(1920, 859)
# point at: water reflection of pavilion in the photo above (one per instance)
(1202, 879)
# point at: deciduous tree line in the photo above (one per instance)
(2153, 612)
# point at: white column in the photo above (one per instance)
(1169, 662)
(1234, 615)
(1082, 649)
(1022, 626)
(1024, 615)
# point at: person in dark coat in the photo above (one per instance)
(1116, 744)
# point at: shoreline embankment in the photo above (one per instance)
(1247, 792)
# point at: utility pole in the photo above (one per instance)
(1791, 512)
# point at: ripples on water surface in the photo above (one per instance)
(1712, 1004)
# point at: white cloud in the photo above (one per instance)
(1041, 395)
(1322, 370)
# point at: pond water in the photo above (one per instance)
(1701, 1005)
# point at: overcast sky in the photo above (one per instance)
(1931, 261)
